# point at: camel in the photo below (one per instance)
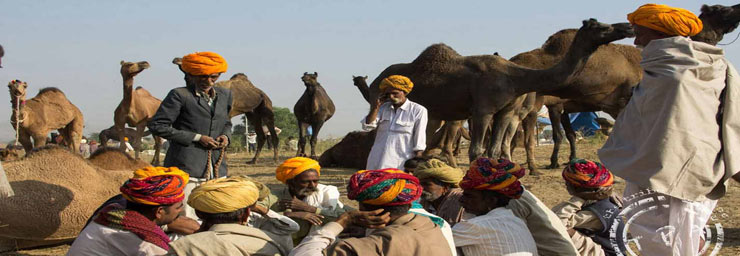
(56, 191)
(249, 100)
(351, 152)
(313, 108)
(49, 110)
(137, 107)
(2, 53)
(112, 134)
(454, 87)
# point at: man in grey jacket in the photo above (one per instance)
(195, 119)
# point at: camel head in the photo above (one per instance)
(133, 68)
(17, 88)
(594, 34)
(310, 79)
(360, 81)
(718, 20)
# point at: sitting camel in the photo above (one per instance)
(313, 108)
(53, 201)
(136, 108)
(112, 134)
(49, 110)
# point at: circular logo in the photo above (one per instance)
(648, 216)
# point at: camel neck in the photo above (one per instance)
(364, 90)
(128, 88)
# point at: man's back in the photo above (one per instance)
(229, 239)
(498, 232)
(97, 239)
(547, 230)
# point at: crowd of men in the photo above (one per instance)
(673, 138)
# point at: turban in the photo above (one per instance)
(156, 186)
(203, 63)
(500, 175)
(669, 20)
(437, 169)
(386, 187)
(396, 81)
(224, 195)
(294, 167)
(264, 190)
(587, 174)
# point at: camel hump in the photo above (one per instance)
(49, 90)
(141, 91)
(559, 42)
(239, 76)
(436, 53)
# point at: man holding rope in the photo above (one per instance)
(196, 120)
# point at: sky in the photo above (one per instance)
(77, 46)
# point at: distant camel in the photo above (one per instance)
(313, 108)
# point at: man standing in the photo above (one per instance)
(303, 199)
(153, 198)
(441, 195)
(679, 131)
(401, 125)
(196, 120)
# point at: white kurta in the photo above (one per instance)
(498, 232)
(97, 239)
(400, 132)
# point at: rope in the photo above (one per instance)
(214, 168)
(18, 120)
(738, 36)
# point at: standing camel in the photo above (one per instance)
(454, 87)
(313, 108)
(136, 108)
(49, 110)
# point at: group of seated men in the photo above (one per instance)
(430, 209)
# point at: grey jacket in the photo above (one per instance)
(182, 115)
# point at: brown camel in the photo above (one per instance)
(453, 87)
(252, 102)
(351, 152)
(49, 110)
(313, 108)
(112, 134)
(56, 191)
(136, 108)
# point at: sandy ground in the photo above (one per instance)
(549, 187)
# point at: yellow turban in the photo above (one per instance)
(396, 81)
(437, 169)
(224, 195)
(203, 63)
(669, 20)
(295, 166)
(264, 190)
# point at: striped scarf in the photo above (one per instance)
(114, 216)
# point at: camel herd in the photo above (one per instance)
(574, 70)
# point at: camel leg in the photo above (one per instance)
(500, 123)
(570, 134)
(39, 140)
(555, 115)
(25, 140)
(273, 138)
(478, 128)
(434, 138)
(449, 141)
(302, 130)
(139, 138)
(256, 122)
(530, 124)
(506, 145)
(157, 147)
(314, 138)
(120, 130)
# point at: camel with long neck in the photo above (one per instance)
(313, 108)
(454, 87)
(137, 107)
(49, 110)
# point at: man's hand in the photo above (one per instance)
(369, 219)
(208, 142)
(259, 209)
(183, 225)
(312, 218)
(222, 141)
(296, 205)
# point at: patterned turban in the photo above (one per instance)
(500, 175)
(386, 187)
(437, 169)
(203, 63)
(294, 167)
(396, 81)
(156, 186)
(224, 195)
(669, 20)
(587, 174)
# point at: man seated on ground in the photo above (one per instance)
(224, 205)
(592, 209)
(441, 195)
(487, 189)
(385, 197)
(546, 228)
(304, 199)
(154, 197)
(261, 217)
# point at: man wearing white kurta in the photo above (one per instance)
(679, 131)
(401, 125)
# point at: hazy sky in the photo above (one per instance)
(77, 45)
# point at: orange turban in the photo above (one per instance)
(156, 186)
(203, 63)
(295, 166)
(669, 20)
(386, 187)
(396, 81)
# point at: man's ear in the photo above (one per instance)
(161, 211)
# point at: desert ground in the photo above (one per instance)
(549, 187)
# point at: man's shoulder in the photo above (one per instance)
(416, 107)
(221, 90)
(181, 91)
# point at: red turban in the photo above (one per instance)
(156, 186)
(587, 174)
(500, 175)
(386, 187)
